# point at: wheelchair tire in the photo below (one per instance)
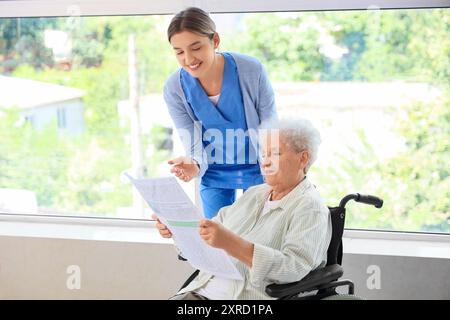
(343, 297)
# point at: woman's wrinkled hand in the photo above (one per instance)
(162, 228)
(214, 234)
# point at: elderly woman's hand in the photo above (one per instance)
(214, 234)
(217, 236)
(162, 228)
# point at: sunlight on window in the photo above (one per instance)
(375, 84)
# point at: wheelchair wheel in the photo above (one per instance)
(343, 297)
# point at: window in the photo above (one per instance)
(76, 74)
(61, 114)
(375, 82)
(29, 118)
(376, 85)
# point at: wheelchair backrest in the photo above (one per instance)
(334, 252)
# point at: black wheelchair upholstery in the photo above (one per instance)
(323, 282)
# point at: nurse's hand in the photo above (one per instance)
(184, 168)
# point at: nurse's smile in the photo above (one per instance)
(194, 67)
(196, 54)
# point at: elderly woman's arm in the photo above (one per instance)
(304, 245)
(303, 248)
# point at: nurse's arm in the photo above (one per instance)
(266, 98)
(190, 132)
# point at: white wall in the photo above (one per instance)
(401, 277)
(43, 116)
(35, 268)
(74, 116)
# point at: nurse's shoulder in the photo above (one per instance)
(247, 64)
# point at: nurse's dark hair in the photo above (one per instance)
(192, 19)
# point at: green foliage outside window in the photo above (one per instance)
(81, 174)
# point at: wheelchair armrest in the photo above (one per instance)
(310, 282)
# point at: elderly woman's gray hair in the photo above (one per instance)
(299, 134)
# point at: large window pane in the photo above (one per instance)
(66, 131)
(374, 82)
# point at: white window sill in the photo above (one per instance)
(138, 231)
(143, 231)
(422, 245)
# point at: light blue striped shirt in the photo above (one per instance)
(290, 239)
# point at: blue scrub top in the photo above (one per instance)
(231, 161)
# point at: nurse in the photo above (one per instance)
(216, 101)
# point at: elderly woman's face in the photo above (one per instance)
(280, 163)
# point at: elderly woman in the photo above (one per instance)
(278, 231)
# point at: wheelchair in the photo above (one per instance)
(323, 282)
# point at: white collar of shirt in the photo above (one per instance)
(270, 205)
(299, 189)
(214, 99)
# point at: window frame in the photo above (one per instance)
(53, 8)
(67, 8)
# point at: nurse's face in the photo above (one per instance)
(195, 53)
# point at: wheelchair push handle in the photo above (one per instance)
(367, 199)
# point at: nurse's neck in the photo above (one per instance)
(211, 81)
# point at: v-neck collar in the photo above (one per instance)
(299, 189)
(197, 86)
(225, 81)
(199, 100)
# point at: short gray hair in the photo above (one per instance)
(300, 135)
